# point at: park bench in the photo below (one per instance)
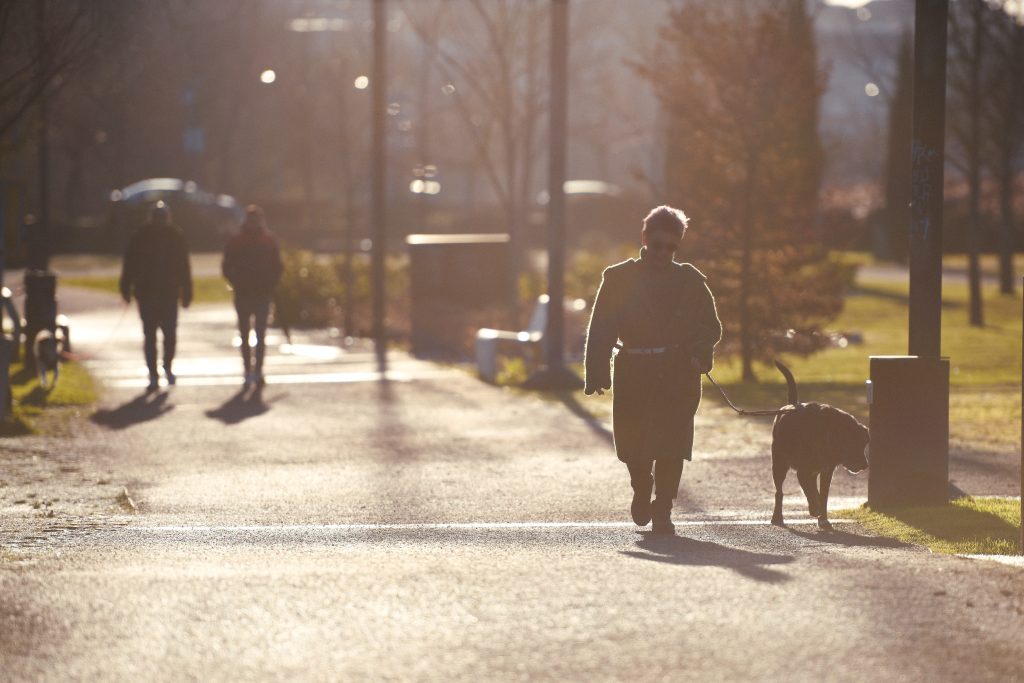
(492, 345)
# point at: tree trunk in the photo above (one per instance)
(974, 172)
(73, 188)
(746, 271)
(1007, 233)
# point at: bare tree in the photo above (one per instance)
(969, 25)
(1004, 131)
(490, 57)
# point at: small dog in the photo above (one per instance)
(46, 354)
(813, 439)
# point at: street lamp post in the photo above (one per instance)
(910, 394)
(554, 375)
(378, 180)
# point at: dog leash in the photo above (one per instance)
(117, 324)
(741, 411)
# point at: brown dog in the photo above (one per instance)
(813, 439)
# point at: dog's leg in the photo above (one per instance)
(826, 482)
(42, 376)
(810, 487)
(779, 471)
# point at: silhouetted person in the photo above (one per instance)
(665, 316)
(157, 273)
(252, 264)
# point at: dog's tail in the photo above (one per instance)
(790, 383)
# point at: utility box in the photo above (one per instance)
(909, 415)
(458, 284)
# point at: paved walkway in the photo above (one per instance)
(432, 527)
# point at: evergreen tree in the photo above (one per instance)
(740, 86)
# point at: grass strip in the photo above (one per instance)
(972, 526)
(206, 289)
(74, 388)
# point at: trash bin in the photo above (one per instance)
(6, 350)
(457, 283)
(909, 415)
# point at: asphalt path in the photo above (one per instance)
(426, 526)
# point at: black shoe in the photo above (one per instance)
(663, 524)
(641, 509)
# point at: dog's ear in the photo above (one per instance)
(865, 433)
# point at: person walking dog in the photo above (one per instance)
(664, 314)
(252, 264)
(157, 273)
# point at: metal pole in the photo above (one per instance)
(927, 154)
(554, 336)
(39, 246)
(378, 180)
(1022, 439)
(554, 376)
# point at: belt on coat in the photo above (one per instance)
(650, 351)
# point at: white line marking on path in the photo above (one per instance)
(297, 378)
(429, 526)
(1012, 560)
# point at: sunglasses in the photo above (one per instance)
(668, 247)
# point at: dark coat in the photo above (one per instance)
(655, 396)
(156, 267)
(252, 264)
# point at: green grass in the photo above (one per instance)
(205, 289)
(972, 526)
(74, 388)
(985, 363)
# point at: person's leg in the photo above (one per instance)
(150, 322)
(244, 313)
(667, 472)
(261, 311)
(169, 327)
(642, 482)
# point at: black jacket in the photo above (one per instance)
(156, 265)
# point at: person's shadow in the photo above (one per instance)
(144, 407)
(680, 550)
(241, 406)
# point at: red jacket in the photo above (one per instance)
(252, 263)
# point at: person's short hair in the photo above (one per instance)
(160, 210)
(254, 215)
(666, 219)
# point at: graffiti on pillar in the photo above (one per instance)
(923, 188)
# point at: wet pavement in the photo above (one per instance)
(430, 527)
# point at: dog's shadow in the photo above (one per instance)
(845, 538)
(687, 551)
(243, 405)
(144, 407)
